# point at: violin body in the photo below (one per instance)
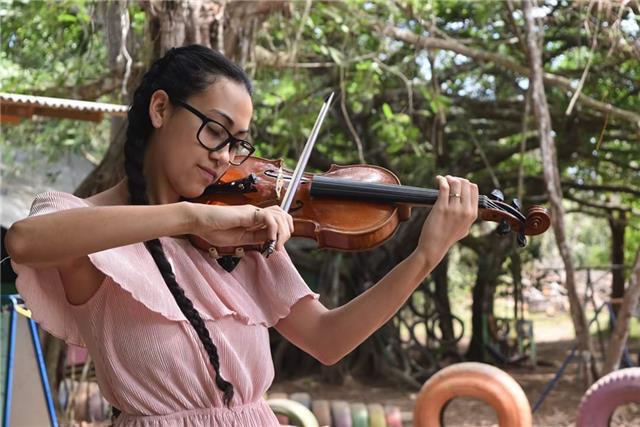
(347, 208)
(336, 223)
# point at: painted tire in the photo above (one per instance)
(294, 411)
(359, 415)
(277, 395)
(301, 397)
(601, 400)
(478, 380)
(322, 410)
(98, 406)
(283, 420)
(377, 417)
(393, 415)
(340, 414)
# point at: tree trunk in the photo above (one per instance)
(621, 330)
(331, 296)
(443, 306)
(552, 181)
(617, 224)
(491, 255)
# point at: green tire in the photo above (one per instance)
(359, 415)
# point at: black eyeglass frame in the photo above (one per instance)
(230, 138)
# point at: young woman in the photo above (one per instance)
(176, 340)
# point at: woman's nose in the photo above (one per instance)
(221, 156)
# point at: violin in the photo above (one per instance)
(348, 208)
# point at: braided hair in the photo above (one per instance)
(181, 72)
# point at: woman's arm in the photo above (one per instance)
(329, 335)
(53, 239)
(56, 238)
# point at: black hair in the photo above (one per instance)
(181, 72)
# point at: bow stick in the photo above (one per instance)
(299, 170)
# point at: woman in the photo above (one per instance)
(176, 339)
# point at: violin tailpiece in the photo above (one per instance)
(228, 262)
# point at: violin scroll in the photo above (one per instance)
(537, 222)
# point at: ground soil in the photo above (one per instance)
(558, 409)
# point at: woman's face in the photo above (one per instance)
(179, 164)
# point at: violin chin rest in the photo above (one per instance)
(228, 262)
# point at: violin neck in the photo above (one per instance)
(323, 186)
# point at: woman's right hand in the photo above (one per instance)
(233, 226)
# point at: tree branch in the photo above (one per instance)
(482, 56)
(604, 206)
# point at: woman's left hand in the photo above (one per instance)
(450, 218)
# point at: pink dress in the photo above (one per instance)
(149, 361)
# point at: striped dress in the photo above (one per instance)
(149, 361)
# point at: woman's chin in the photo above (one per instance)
(192, 192)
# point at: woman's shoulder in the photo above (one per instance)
(53, 200)
(116, 195)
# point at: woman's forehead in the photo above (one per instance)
(228, 100)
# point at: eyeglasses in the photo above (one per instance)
(213, 136)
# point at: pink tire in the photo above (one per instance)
(322, 410)
(478, 380)
(283, 420)
(601, 400)
(393, 415)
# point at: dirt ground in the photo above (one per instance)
(557, 410)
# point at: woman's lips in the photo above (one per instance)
(209, 175)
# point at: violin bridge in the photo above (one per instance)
(279, 182)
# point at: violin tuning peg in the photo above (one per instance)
(516, 204)
(522, 240)
(496, 195)
(503, 228)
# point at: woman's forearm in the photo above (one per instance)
(350, 324)
(50, 239)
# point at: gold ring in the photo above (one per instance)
(455, 195)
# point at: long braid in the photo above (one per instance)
(198, 66)
(137, 190)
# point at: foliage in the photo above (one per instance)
(416, 112)
(49, 45)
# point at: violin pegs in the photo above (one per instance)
(503, 228)
(516, 204)
(522, 240)
(496, 195)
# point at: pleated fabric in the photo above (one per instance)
(149, 361)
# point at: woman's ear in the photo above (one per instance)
(159, 108)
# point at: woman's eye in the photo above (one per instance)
(215, 130)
